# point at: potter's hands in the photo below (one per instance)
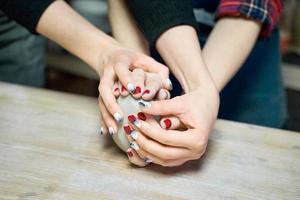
(197, 111)
(127, 67)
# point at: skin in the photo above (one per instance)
(202, 74)
(112, 61)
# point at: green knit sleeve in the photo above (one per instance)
(25, 12)
(154, 17)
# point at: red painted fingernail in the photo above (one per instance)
(132, 118)
(123, 89)
(168, 123)
(116, 89)
(141, 116)
(137, 90)
(129, 153)
(146, 92)
(127, 129)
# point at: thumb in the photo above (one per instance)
(162, 107)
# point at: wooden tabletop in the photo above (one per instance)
(50, 148)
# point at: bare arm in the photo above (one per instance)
(228, 46)
(124, 28)
(63, 25)
(226, 49)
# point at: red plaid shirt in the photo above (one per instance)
(265, 12)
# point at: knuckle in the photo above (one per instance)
(164, 163)
(165, 140)
(199, 145)
(165, 70)
(142, 143)
(102, 85)
(166, 155)
(110, 105)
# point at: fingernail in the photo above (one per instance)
(134, 121)
(141, 116)
(137, 90)
(118, 117)
(167, 123)
(131, 87)
(111, 131)
(123, 89)
(101, 130)
(146, 92)
(129, 153)
(134, 146)
(144, 104)
(127, 129)
(167, 95)
(134, 135)
(116, 89)
(170, 84)
(148, 161)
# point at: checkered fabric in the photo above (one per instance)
(265, 12)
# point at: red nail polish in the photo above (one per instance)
(116, 89)
(168, 123)
(131, 118)
(129, 153)
(146, 92)
(123, 89)
(127, 129)
(141, 116)
(137, 90)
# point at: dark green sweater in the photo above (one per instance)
(25, 12)
(154, 17)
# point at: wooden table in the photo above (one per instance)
(50, 148)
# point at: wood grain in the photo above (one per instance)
(50, 148)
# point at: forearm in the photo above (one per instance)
(63, 25)
(124, 28)
(228, 46)
(180, 49)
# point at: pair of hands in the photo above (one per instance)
(183, 131)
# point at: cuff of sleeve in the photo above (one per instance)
(154, 17)
(265, 12)
(27, 13)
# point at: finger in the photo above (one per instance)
(130, 134)
(123, 73)
(174, 163)
(171, 123)
(158, 151)
(109, 99)
(152, 86)
(111, 125)
(138, 77)
(134, 158)
(163, 94)
(150, 65)
(116, 90)
(172, 106)
(124, 91)
(186, 139)
(103, 127)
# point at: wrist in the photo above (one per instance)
(105, 48)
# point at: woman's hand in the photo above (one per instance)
(137, 73)
(197, 111)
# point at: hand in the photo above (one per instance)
(150, 88)
(126, 66)
(197, 111)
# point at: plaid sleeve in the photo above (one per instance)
(264, 11)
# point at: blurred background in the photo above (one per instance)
(69, 74)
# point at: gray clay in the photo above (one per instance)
(129, 106)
